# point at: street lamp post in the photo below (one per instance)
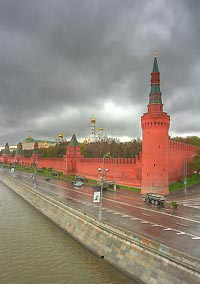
(115, 168)
(185, 169)
(115, 185)
(185, 174)
(15, 163)
(103, 172)
(35, 163)
(101, 191)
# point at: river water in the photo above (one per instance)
(35, 251)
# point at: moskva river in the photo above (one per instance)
(35, 251)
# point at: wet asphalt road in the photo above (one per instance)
(176, 228)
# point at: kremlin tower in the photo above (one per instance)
(155, 152)
(92, 130)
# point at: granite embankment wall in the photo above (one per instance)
(145, 260)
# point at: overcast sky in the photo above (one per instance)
(61, 61)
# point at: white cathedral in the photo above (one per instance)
(96, 135)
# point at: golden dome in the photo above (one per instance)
(93, 120)
(60, 135)
(100, 128)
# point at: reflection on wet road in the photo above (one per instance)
(176, 228)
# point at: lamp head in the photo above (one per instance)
(99, 169)
(107, 170)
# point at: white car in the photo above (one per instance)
(78, 183)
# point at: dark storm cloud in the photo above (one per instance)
(62, 61)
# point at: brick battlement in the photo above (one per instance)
(182, 146)
(112, 160)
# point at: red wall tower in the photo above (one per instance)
(155, 146)
(73, 154)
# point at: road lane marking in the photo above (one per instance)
(181, 233)
(184, 225)
(196, 207)
(193, 203)
(196, 238)
(186, 200)
(158, 212)
(146, 214)
(168, 229)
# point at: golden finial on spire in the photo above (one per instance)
(93, 120)
(155, 53)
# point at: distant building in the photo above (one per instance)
(60, 138)
(28, 143)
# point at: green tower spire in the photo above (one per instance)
(74, 141)
(155, 93)
(155, 64)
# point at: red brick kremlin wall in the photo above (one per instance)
(54, 163)
(126, 171)
(180, 154)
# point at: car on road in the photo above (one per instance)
(111, 184)
(154, 198)
(78, 183)
(106, 185)
(54, 174)
(97, 187)
(81, 178)
(47, 178)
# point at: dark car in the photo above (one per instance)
(54, 174)
(81, 178)
(47, 178)
(106, 185)
(110, 184)
(97, 187)
(154, 198)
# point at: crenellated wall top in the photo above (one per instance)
(113, 160)
(183, 146)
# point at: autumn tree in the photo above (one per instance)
(196, 163)
(116, 149)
